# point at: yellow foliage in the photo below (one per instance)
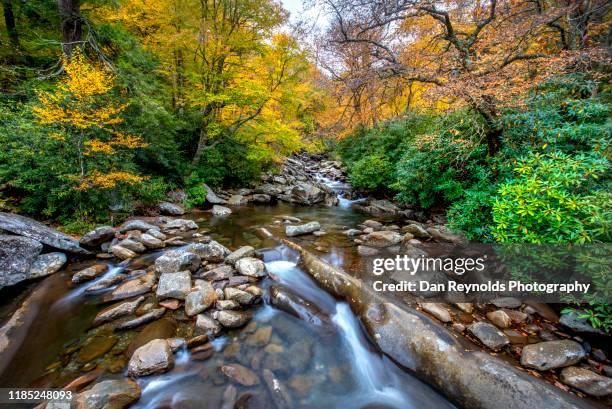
(98, 180)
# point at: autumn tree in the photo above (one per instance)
(82, 119)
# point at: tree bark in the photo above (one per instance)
(9, 22)
(71, 24)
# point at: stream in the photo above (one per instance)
(321, 366)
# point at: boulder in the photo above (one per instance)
(233, 319)
(587, 381)
(170, 209)
(200, 299)
(489, 335)
(97, 236)
(382, 239)
(244, 251)
(24, 226)
(46, 264)
(211, 197)
(136, 224)
(251, 267)
(552, 354)
(382, 206)
(307, 228)
(174, 285)
(177, 260)
(17, 254)
(151, 358)
(111, 394)
(240, 374)
(221, 210)
(306, 193)
(89, 273)
(212, 251)
(117, 311)
(180, 225)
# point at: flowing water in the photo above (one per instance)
(322, 366)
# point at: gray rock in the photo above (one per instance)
(177, 260)
(237, 200)
(156, 233)
(111, 394)
(152, 315)
(212, 251)
(211, 197)
(226, 305)
(240, 374)
(241, 297)
(489, 335)
(46, 264)
(174, 285)
(136, 224)
(207, 325)
(200, 299)
(587, 381)
(171, 209)
(17, 254)
(352, 232)
(307, 228)
(417, 231)
(133, 245)
(221, 210)
(552, 354)
(132, 288)
(506, 302)
(261, 198)
(367, 251)
(573, 321)
(222, 272)
(445, 236)
(233, 319)
(34, 230)
(306, 193)
(438, 310)
(105, 283)
(98, 236)
(499, 318)
(180, 225)
(151, 358)
(251, 267)
(89, 273)
(122, 252)
(381, 239)
(117, 311)
(373, 224)
(244, 251)
(382, 206)
(150, 241)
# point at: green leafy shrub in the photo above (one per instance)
(372, 172)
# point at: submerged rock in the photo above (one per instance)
(298, 230)
(278, 391)
(143, 319)
(240, 374)
(151, 358)
(552, 354)
(111, 394)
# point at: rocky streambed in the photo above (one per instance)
(210, 309)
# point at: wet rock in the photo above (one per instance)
(174, 261)
(438, 310)
(122, 252)
(89, 273)
(278, 391)
(506, 302)
(223, 272)
(573, 321)
(253, 289)
(164, 328)
(516, 337)
(417, 231)
(212, 251)
(373, 224)
(46, 264)
(143, 319)
(171, 304)
(180, 225)
(305, 193)
(174, 285)
(241, 297)
(26, 227)
(261, 198)
(132, 288)
(176, 343)
(237, 200)
(367, 251)
(261, 337)
(156, 233)
(133, 245)
(97, 236)
(443, 235)
(499, 318)
(244, 251)
(139, 225)
(207, 325)
(489, 335)
(233, 319)
(211, 197)
(151, 358)
(200, 299)
(112, 394)
(117, 311)
(383, 206)
(466, 307)
(552, 354)
(543, 310)
(170, 209)
(587, 381)
(83, 380)
(17, 254)
(226, 305)
(150, 241)
(221, 210)
(240, 374)
(286, 300)
(229, 397)
(251, 267)
(96, 347)
(382, 239)
(292, 231)
(352, 232)
(263, 233)
(105, 283)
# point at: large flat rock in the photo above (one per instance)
(30, 228)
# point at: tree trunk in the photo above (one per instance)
(71, 24)
(9, 22)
